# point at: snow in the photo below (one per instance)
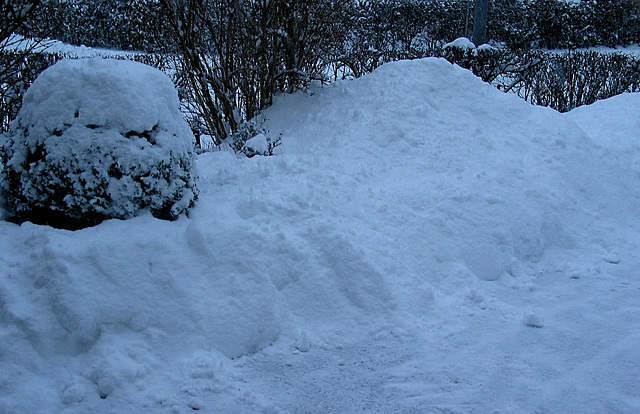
(611, 258)
(395, 257)
(257, 145)
(461, 43)
(18, 42)
(486, 48)
(126, 96)
(530, 318)
(614, 122)
(631, 50)
(88, 118)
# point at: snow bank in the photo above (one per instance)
(402, 203)
(116, 305)
(99, 138)
(613, 123)
(486, 177)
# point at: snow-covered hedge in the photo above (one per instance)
(96, 139)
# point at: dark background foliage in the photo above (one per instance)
(229, 58)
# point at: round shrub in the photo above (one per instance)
(96, 139)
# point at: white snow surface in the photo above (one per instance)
(18, 42)
(632, 50)
(125, 96)
(257, 144)
(614, 121)
(398, 256)
(461, 43)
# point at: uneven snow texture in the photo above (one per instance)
(99, 138)
(423, 244)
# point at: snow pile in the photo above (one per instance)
(98, 138)
(614, 123)
(117, 305)
(486, 177)
(388, 260)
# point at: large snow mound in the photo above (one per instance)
(614, 122)
(416, 225)
(485, 174)
(98, 138)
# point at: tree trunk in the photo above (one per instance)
(481, 11)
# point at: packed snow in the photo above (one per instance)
(422, 243)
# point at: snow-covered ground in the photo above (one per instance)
(422, 244)
(632, 50)
(18, 42)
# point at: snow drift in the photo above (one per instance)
(401, 202)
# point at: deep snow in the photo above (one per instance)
(423, 243)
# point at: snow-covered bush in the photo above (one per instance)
(253, 139)
(459, 51)
(97, 139)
